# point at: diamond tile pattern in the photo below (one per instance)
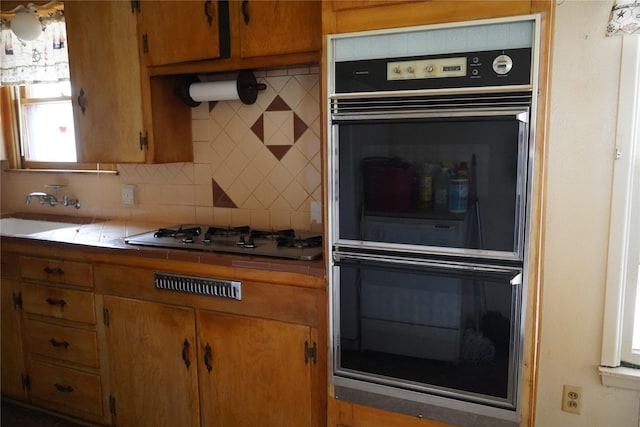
(253, 177)
(256, 164)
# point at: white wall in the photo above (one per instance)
(580, 166)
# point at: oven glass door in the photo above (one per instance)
(444, 181)
(447, 331)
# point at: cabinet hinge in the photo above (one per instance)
(135, 6)
(112, 405)
(26, 382)
(144, 140)
(145, 43)
(105, 316)
(17, 301)
(310, 352)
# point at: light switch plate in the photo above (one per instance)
(129, 195)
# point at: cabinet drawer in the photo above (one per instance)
(57, 271)
(59, 342)
(66, 387)
(59, 303)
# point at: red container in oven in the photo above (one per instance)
(388, 184)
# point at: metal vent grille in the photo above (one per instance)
(198, 285)
(354, 108)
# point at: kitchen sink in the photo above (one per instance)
(25, 227)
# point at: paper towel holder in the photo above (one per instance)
(246, 85)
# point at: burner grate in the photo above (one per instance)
(178, 232)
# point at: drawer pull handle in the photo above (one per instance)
(59, 302)
(54, 342)
(207, 357)
(63, 388)
(56, 270)
(185, 353)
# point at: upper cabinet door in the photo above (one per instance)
(278, 27)
(179, 31)
(105, 81)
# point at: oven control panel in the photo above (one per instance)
(494, 68)
(427, 68)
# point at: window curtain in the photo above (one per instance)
(39, 61)
(625, 18)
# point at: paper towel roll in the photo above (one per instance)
(245, 88)
(210, 91)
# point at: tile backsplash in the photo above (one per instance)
(257, 164)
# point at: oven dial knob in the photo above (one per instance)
(502, 64)
(397, 69)
(429, 69)
(410, 69)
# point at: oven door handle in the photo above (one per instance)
(407, 263)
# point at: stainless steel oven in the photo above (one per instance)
(430, 157)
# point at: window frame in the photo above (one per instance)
(624, 250)
(12, 132)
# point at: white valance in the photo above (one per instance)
(41, 60)
(625, 18)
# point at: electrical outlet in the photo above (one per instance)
(571, 399)
(128, 195)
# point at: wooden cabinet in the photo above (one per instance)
(178, 31)
(178, 358)
(60, 337)
(13, 370)
(240, 370)
(152, 351)
(255, 372)
(117, 118)
(261, 34)
(266, 28)
(340, 16)
(99, 342)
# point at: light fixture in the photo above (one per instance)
(25, 23)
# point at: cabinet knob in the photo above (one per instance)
(207, 12)
(63, 388)
(82, 101)
(56, 270)
(245, 11)
(185, 353)
(54, 342)
(207, 358)
(53, 301)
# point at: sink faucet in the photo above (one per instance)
(44, 198)
(50, 199)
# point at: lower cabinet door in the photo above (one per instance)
(153, 372)
(62, 389)
(253, 372)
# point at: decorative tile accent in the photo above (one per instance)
(279, 151)
(278, 104)
(258, 128)
(220, 198)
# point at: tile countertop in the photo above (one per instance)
(99, 234)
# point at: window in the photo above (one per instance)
(47, 123)
(621, 337)
(38, 129)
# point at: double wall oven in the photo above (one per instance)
(429, 170)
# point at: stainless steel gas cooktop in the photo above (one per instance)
(288, 244)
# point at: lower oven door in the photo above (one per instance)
(441, 329)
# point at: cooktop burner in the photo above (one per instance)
(290, 244)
